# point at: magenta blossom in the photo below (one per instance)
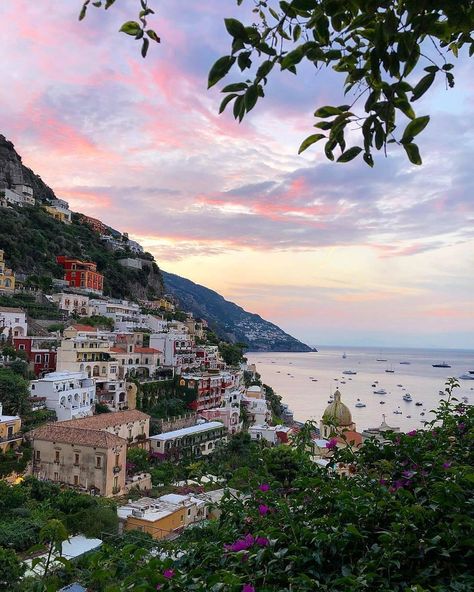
(447, 464)
(412, 433)
(408, 474)
(263, 509)
(262, 541)
(399, 484)
(168, 573)
(383, 481)
(241, 544)
(461, 426)
(264, 487)
(331, 445)
(248, 588)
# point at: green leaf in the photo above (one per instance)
(145, 46)
(109, 3)
(250, 97)
(236, 87)
(346, 157)
(235, 28)
(422, 86)
(368, 159)
(130, 28)
(265, 69)
(292, 58)
(226, 101)
(152, 35)
(309, 141)
(296, 32)
(327, 111)
(82, 14)
(413, 153)
(415, 127)
(220, 69)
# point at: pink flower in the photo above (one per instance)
(447, 464)
(264, 487)
(262, 541)
(332, 444)
(412, 433)
(263, 509)
(241, 544)
(461, 426)
(248, 588)
(168, 573)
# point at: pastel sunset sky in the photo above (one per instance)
(334, 254)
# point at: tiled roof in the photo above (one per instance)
(118, 350)
(61, 432)
(106, 420)
(85, 328)
(147, 350)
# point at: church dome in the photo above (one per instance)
(337, 413)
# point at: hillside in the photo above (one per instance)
(32, 239)
(229, 320)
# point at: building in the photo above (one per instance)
(59, 210)
(136, 361)
(177, 347)
(41, 352)
(72, 303)
(21, 195)
(198, 440)
(118, 310)
(95, 224)
(89, 459)
(7, 276)
(12, 323)
(70, 394)
(380, 432)
(81, 275)
(132, 426)
(10, 427)
(257, 411)
(273, 435)
(156, 517)
(337, 422)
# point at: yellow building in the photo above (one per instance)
(59, 210)
(7, 276)
(10, 426)
(153, 516)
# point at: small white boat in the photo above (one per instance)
(418, 403)
(467, 377)
(397, 412)
(407, 397)
(353, 372)
(380, 392)
(360, 404)
(382, 402)
(400, 385)
(405, 363)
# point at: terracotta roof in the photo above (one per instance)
(147, 350)
(106, 420)
(118, 350)
(59, 432)
(351, 437)
(85, 328)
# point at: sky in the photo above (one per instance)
(333, 254)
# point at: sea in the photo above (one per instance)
(305, 381)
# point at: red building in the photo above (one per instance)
(41, 353)
(81, 274)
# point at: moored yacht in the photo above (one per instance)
(353, 372)
(407, 397)
(441, 365)
(380, 392)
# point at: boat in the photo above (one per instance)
(314, 379)
(382, 402)
(360, 404)
(343, 382)
(422, 413)
(405, 363)
(390, 370)
(397, 412)
(441, 393)
(471, 371)
(344, 356)
(465, 400)
(380, 392)
(381, 360)
(418, 403)
(467, 377)
(374, 385)
(353, 372)
(408, 416)
(442, 365)
(407, 397)
(400, 385)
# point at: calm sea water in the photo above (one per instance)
(305, 381)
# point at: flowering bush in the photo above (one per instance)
(402, 521)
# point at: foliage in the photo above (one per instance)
(14, 393)
(100, 321)
(137, 460)
(232, 353)
(402, 521)
(101, 408)
(14, 461)
(389, 51)
(34, 419)
(11, 569)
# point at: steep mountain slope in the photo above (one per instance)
(229, 320)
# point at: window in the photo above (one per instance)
(76, 480)
(56, 456)
(22, 347)
(10, 431)
(115, 483)
(38, 359)
(98, 462)
(129, 432)
(189, 512)
(32, 387)
(38, 455)
(56, 476)
(117, 460)
(76, 458)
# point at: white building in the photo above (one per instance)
(197, 440)
(177, 348)
(72, 303)
(118, 310)
(21, 195)
(70, 394)
(257, 410)
(272, 434)
(12, 322)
